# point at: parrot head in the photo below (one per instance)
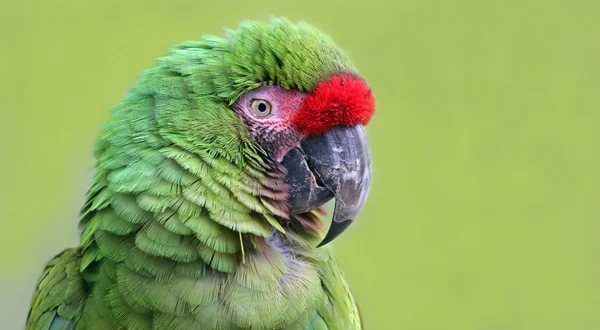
(284, 88)
(318, 136)
(311, 119)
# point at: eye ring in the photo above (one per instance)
(260, 107)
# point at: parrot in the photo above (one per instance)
(206, 209)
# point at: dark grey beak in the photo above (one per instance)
(337, 164)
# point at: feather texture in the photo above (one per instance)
(185, 225)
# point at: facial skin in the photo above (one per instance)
(319, 139)
(273, 130)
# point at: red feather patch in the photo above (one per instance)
(342, 100)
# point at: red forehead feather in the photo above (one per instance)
(342, 100)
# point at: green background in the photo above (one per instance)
(484, 211)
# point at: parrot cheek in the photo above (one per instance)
(336, 163)
(279, 142)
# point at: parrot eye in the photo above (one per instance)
(261, 108)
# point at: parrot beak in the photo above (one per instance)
(336, 163)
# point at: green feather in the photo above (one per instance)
(194, 269)
(128, 208)
(223, 262)
(174, 173)
(60, 294)
(213, 235)
(123, 314)
(183, 250)
(184, 224)
(171, 221)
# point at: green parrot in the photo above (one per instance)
(211, 176)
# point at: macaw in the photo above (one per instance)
(211, 175)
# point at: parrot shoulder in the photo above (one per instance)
(59, 294)
(340, 310)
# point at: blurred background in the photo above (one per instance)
(485, 207)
